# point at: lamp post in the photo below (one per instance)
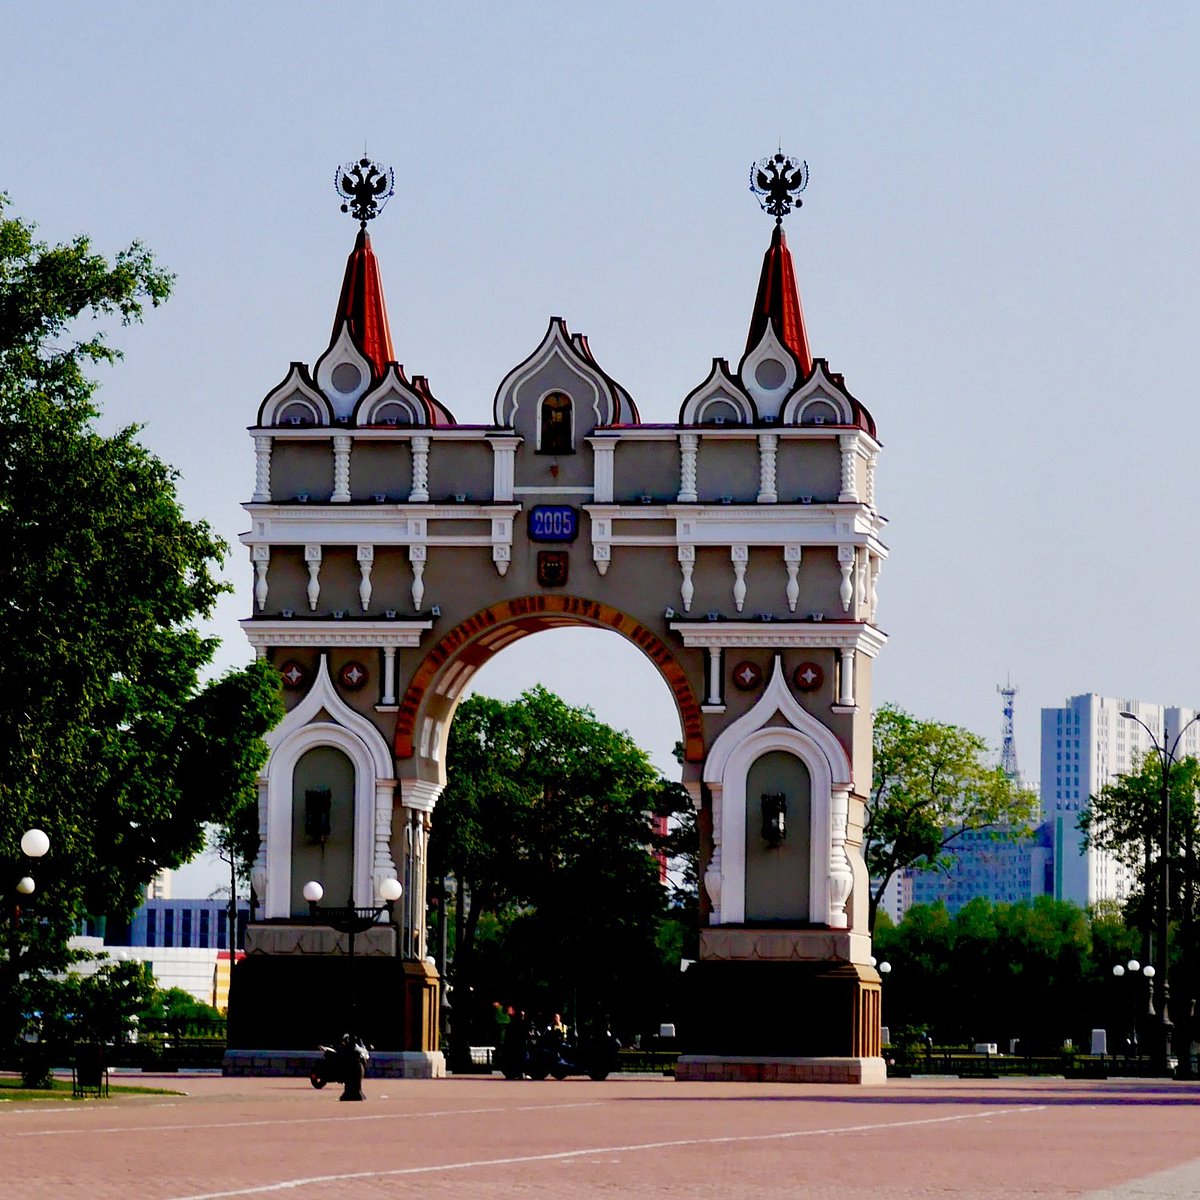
(1162, 1049)
(34, 844)
(351, 920)
(1134, 968)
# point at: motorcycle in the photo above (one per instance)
(549, 1053)
(339, 1063)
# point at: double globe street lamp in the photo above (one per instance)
(351, 920)
(34, 844)
(1162, 1048)
(1134, 968)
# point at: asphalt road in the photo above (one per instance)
(624, 1137)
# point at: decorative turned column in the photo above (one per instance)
(262, 469)
(416, 559)
(504, 458)
(420, 469)
(687, 564)
(740, 557)
(712, 874)
(382, 865)
(258, 872)
(412, 916)
(768, 444)
(846, 564)
(876, 563)
(603, 456)
(846, 677)
(312, 558)
(714, 677)
(262, 560)
(872, 461)
(841, 876)
(689, 444)
(849, 446)
(791, 561)
(366, 560)
(861, 582)
(341, 469)
(389, 675)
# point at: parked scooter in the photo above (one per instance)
(344, 1063)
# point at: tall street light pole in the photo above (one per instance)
(1163, 988)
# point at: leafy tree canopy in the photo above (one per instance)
(931, 785)
(108, 739)
(547, 820)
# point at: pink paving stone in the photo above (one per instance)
(990, 1140)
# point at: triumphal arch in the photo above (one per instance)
(395, 549)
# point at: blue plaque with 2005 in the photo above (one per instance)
(553, 523)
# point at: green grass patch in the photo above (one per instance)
(11, 1091)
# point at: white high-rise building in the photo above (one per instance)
(1086, 744)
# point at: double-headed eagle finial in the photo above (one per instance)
(365, 187)
(777, 182)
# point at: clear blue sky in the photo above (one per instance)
(997, 248)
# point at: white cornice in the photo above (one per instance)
(322, 634)
(808, 635)
(370, 524)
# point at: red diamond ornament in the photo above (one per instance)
(746, 676)
(293, 674)
(353, 676)
(808, 677)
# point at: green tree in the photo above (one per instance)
(108, 739)
(1124, 819)
(931, 785)
(546, 823)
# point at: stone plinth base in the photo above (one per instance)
(733, 1069)
(384, 1064)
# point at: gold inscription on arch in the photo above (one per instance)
(587, 612)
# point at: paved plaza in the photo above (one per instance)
(474, 1137)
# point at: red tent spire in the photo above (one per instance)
(779, 303)
(362, 305)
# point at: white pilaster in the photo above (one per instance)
(603, 455)
(262, 469)
(341, 469)
(382, 865)
(420, 469)
(312, 558)
(366, 560)
(689, 444)
(504, 458)
(768, 444)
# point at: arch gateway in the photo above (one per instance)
(396, 549)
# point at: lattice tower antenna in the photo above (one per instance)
(1008, 744)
